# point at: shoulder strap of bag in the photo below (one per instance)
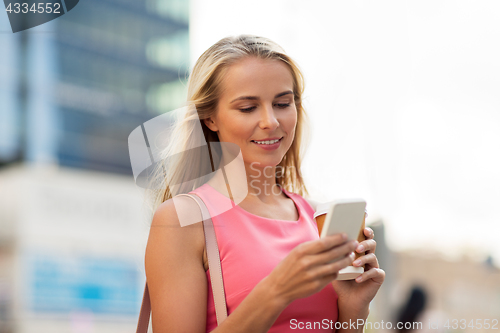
(214, 268)
(213, 262)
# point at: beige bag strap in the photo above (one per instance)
(213, 262)
(143, 324)
(213, 265)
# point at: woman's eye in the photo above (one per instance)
(248, 109)
(283, 106)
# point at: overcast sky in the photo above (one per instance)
(403, 98)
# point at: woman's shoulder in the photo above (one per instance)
(178, 211)
(170, 240)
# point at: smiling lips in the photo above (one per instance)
(268, 141)
(269, 144)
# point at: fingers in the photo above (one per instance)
(332, 269)
(336, 253)
(369, 233)
(369, 259)
(367, 246)
(376, 274)
(321, 245)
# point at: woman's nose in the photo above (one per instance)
(268, 118)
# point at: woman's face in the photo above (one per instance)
(257, 104)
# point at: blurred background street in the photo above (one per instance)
(405, 113)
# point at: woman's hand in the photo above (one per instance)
(308, 268)
(357, 294)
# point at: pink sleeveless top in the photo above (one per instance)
(251, 247)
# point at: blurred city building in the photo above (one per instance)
(466, 290)
(72, 231)
(72, 250)
(73, 89)
(456, 295)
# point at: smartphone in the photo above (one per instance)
(344, 216)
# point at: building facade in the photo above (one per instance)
(72, 227)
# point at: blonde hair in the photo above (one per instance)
(204, 89)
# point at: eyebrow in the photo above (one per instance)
(255, 98)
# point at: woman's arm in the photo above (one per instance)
(174, 271)
(305, 271)
(355, 295)
(347, 314)
(351, 320)
(178, 285)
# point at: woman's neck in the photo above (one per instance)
(262, 182)
(249, 182)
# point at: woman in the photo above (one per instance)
(277, 272)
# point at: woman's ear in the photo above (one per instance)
(211, 124)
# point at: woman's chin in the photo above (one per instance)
(264, 163)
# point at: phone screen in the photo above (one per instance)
(344, 216)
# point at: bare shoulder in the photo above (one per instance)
(174, 268)
(176, 229)
(179, 211)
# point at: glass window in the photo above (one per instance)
(166, 97)
(169, 52)
(175, 9)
